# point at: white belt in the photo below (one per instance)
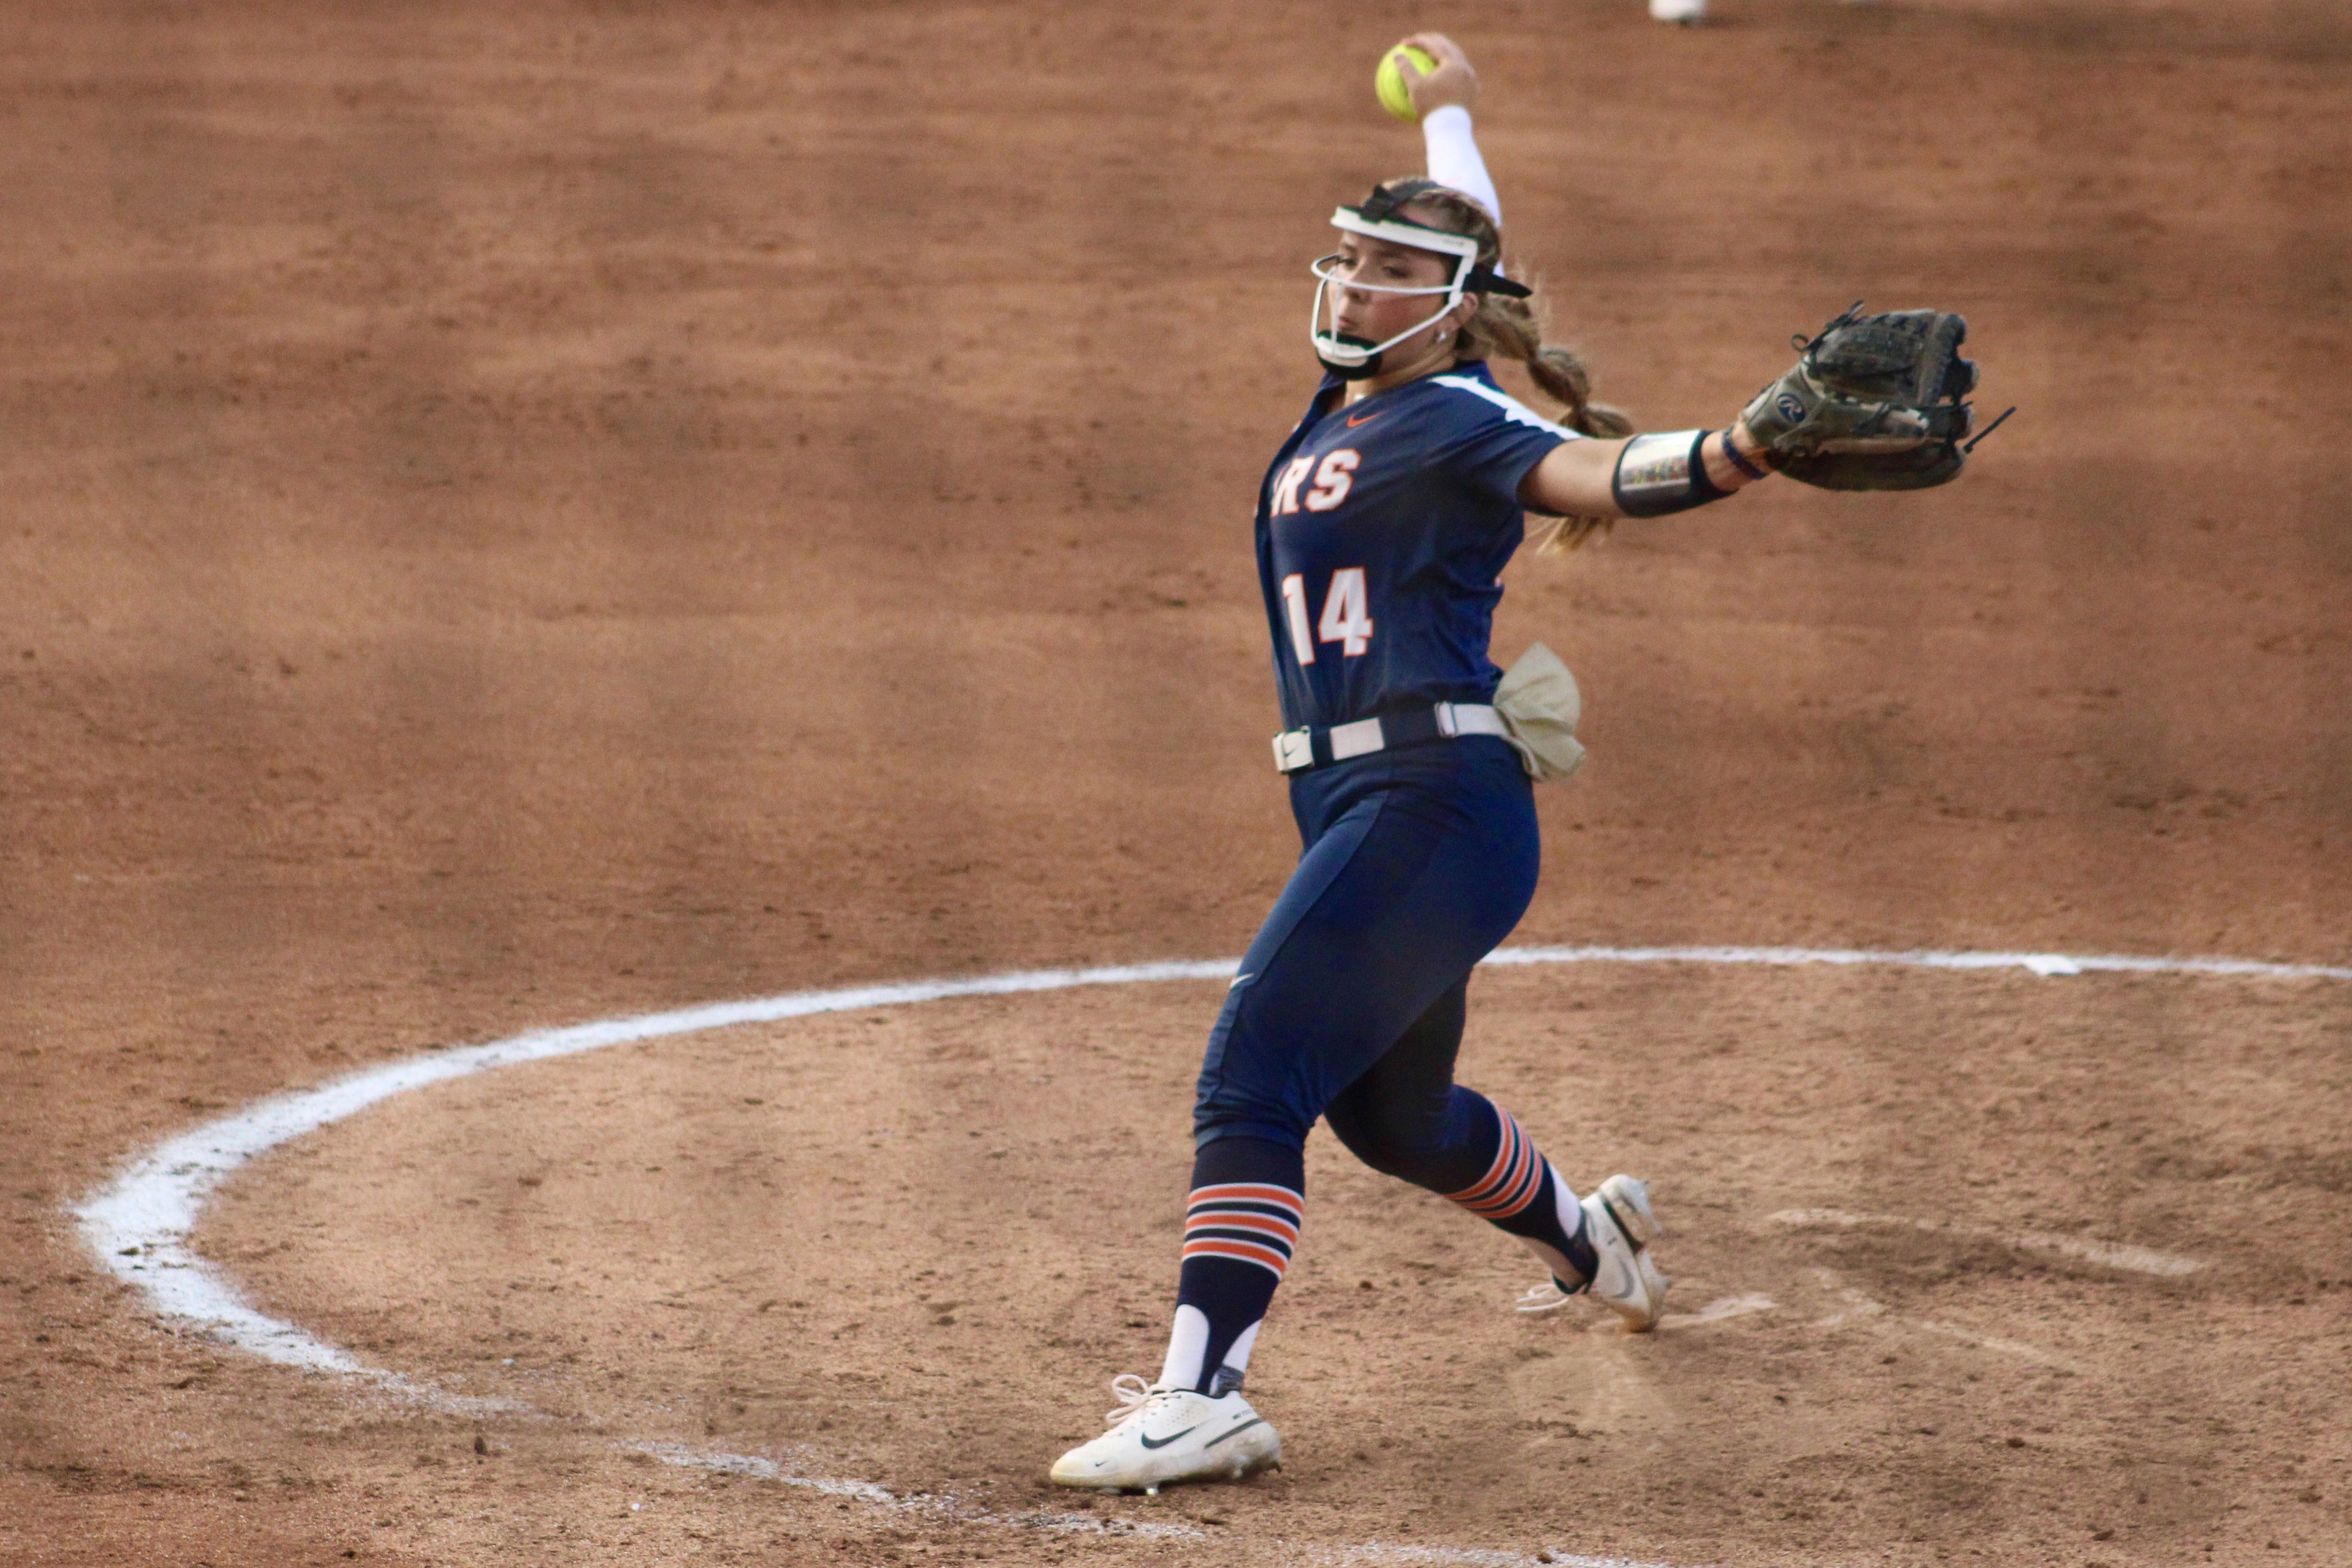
(1295, 750)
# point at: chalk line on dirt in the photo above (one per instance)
(946, 1505)
(1862, 1309)
(2108, 1254)
(140, 1223)
(2017, 1348)
(1716, 1311)
(2046, 964)
(138, 1226)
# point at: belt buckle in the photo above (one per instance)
(1294, 749)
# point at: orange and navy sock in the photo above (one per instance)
(1521, 1193)
(1241, 1227)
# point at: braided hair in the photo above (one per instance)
(1509, 327)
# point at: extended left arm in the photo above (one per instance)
(1642, 476)
(1877, 402)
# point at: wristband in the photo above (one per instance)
(1731, 450)
(1661, 473)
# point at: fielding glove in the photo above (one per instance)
(1874, 403)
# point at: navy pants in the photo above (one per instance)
(1417, 863)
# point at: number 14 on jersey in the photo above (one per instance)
(1347, 613)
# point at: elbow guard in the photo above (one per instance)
(1663, 472)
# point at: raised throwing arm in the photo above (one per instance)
(1443, 99)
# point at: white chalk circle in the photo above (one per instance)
(138, 1226)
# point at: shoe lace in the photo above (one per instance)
(1133, 1394)
(1546, 1297)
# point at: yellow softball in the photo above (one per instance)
(1389, 82)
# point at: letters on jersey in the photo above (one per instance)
(1382, 530)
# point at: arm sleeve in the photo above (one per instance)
(1453, 157)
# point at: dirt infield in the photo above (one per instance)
(516, 515)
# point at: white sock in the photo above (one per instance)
(1572, 1214)
(1188, 1341)
(1238, 1357)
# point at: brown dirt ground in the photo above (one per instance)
(520, 514)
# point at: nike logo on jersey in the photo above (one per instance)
(1353, 421)
(1165, 1441)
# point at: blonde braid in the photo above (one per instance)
(1508, 328)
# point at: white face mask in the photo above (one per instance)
(1355, 359)
(1352, 358)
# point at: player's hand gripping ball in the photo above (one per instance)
(1390, 84)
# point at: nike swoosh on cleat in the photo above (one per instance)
(1256, 1420)
(1186, 1433)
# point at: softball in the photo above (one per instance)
(1389, 82)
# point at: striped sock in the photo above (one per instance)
(1521, 1193)
(1247, 1221)
(1241, 1225)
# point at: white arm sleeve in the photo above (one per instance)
(1453, 157)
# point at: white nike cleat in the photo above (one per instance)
(1619, 1224)
(1162, 1435)
(1688, 13)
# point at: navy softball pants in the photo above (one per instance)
(1349, 1005)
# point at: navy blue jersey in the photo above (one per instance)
(1382, 530)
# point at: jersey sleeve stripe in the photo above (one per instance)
(1513, 409)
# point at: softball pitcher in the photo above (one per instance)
(1383, 525)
